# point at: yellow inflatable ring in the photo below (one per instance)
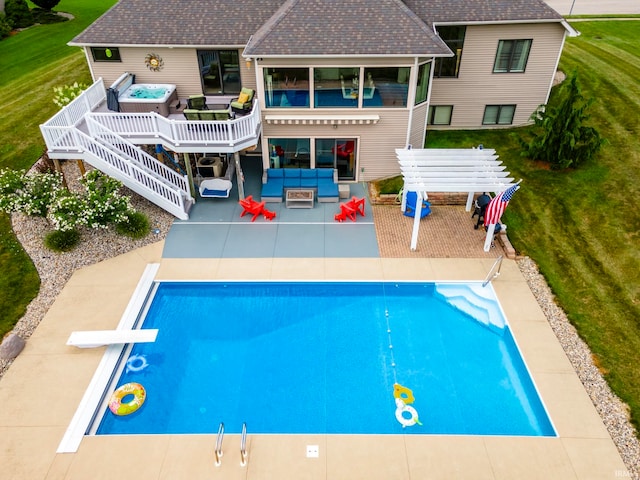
(115, 402)
(403, 393)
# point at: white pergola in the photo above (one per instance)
(471, 170)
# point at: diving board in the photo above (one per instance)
(100, 338)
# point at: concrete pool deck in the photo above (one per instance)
(41, 391)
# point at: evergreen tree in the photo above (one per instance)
(18, 13)
(562, 139)
(46, 4)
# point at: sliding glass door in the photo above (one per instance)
(220, 71)
(337, 153)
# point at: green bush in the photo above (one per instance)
(62, 241)
(135, 226)
(5, 26)
(18, 13)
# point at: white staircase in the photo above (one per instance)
(114, 155)
(475, 301)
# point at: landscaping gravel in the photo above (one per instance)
(96, 245)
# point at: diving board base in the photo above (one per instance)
(100, 338)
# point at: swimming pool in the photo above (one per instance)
(294, 358)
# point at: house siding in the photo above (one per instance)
(180, 68)
(477, 85)
(375, 156)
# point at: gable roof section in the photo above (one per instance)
(354, 28)
(178, 23)
(481, 11)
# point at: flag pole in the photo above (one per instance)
(487, 241)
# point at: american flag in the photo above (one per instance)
(497, 205)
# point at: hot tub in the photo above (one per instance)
(148, 97)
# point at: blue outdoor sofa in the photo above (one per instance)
(276, 181)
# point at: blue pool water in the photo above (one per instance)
(323, 358)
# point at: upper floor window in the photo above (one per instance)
(386, 87)
(220, 71)
(286, 87)
(512, 56)
(106, 54)
(336, 87)
(498, 114)
(453, 36)
(422, 87)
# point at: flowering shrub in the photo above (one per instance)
(43, 194)
(64, 95)
(103, 202)
(11, 185)
(28, 193)
(66, 211)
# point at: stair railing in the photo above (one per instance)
(494, 271)
(218, 451)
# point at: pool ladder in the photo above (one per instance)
(494, 272)
(243, 445)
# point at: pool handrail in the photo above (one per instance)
(243, 445)
(494, 271)
(218, 451)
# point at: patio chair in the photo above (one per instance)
(191, 114)
(207, 115)
(197, 102)
(249, 205)
(410, 210)
(244, 102)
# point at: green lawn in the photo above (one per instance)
(31, 64)
(582, 227)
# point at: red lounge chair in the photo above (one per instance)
(357, 204)
(346, 211)
(249, 205)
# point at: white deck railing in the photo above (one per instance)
(141, 158)
(110, 145)
(229, 135)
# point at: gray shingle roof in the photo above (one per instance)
(333, 27)
(179, 22)
(471, 11)
(301, 27)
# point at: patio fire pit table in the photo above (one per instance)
(299, 199)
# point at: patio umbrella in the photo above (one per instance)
(494, 211)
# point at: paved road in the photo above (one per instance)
(595, 7)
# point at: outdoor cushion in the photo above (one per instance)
(308, 178)
(273, 188)
(292, 178)
(243, 97)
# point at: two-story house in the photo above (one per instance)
(337, 85)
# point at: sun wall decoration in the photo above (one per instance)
(154, 62)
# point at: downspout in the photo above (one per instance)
(426, 120)
(412, 99)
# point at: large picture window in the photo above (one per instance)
(498, 114)
(106, 54)
(286, 87)
(386, 87)
(453, 36)
(220, 71)
(512, 56)
(336, 87)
